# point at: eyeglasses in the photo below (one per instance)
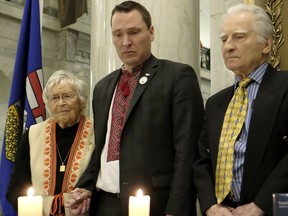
(67, 97)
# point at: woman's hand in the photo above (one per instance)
(79, 202)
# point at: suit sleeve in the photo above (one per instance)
(276, 176)
(202, 169)
(87, 179)
(187, 117)
(21, 176)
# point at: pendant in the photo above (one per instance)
(62, 168)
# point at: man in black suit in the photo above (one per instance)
(260, 151)
(156, 130)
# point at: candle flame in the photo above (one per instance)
(30, 191)
(139, 192)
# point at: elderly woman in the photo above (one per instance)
(53, 154)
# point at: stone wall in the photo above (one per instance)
(67, 48)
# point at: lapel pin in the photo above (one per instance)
(143, 80)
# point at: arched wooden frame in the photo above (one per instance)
(274, 8)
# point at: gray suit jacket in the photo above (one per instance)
(159, 138)
(266, 158)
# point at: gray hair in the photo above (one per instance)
(66, 77)
(263, 25)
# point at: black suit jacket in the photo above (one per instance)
(159, 139)
(266, 159)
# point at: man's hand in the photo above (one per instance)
(219, 210)
(79, 202)
(248, 210)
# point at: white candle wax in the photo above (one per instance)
(30, 205)
(139, 205)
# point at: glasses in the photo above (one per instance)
(67, 97)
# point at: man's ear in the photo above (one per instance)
(151, 31)
(268, 45)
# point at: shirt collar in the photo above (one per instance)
(256, 75)
(134, 70)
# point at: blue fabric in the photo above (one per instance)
(26, 106)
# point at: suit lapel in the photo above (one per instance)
(217, 116)
(105, 97)
(107, 93)
(148, 71)
(268, 100)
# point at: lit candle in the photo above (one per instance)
(139, 205)
(30, 205)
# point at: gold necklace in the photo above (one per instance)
(62, 166)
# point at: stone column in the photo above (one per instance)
(177, 34)
(176, 25)
(221, 77)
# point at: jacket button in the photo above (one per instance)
(285, 138)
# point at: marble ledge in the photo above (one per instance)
(205, 74)
(48, 22)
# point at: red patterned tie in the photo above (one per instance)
(123, 96)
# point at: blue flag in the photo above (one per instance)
(26, 106)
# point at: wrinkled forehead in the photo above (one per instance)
(235, 31)
(240, 22)
(59, 88)
(128, 19)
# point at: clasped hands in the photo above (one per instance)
(244, 210)
(79, 202)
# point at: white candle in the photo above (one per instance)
(30, 205)
(139, 205)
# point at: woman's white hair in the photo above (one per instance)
(66, 77)
(263, 25)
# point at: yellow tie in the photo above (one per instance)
(232, 125)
